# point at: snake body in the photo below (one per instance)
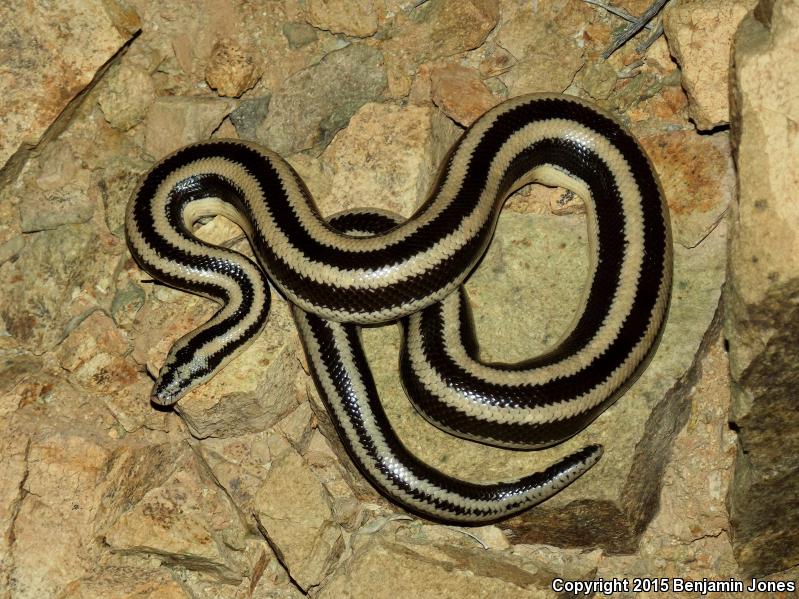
(367, 268)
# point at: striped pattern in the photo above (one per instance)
(546, 400)
(344, 380)
(379, 270)
(345, 383)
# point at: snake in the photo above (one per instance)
(368, 267)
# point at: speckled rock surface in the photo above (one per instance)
(763, 293)
(705, 57)
(243, 492)
(50, 52)
(318, 101)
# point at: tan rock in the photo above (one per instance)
(599, 80)
(547, 58)
(762, 290)
(698, 180)
(318, 101)
(700, 34)
(323, 462)
(357, 18)
(403, 148)
(297, 426)
(50, 53)
(181, 515)
(446, 29)
(37, 315)
(420, 90)
(240, 464)
(497, 61)
(689, 536)
(120, 582)
(174, 122)
(126, 95)
(460, 93)
(293, 510)
(413, 573)
(13, 470)
(93, 354)
(63, 470)
(450, 28)
(231, 70)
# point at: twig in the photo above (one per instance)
(619, 12)
(644, 45)
(631, 70)
(634, 27)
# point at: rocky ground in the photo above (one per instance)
(243, 491)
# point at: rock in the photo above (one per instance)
(116, 182)
(704, 58)
(11, 239)
(318, 101)
(120, 582)
(698, 178)
(547, 58)
(49, 211)
(497, 62)
(297, 426)
(299, 34)
(403, 148)
(763, 291)
(460, 93)
(175, 122)
(240, 464)
(441, 29)
(599, 80)
(664, 105)
(11, 248)
(126, 95)
(249, 115)
(323, 462)
(231, 70)
(178, 514)
(93, 355)
(50, 53)
(689, 536)
(61, 192)
(357, 18)
(63, 467)
(415, 570)
(13, 470)
(447, 28)
(293, 511)
(51, 272)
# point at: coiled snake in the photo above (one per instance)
(368, 267)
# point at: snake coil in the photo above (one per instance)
(369, 267)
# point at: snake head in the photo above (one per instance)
(167, 391)
(183, 371)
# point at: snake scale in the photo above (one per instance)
(370, 267)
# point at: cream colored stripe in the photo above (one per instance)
(190, 273)
(623, 299)
(428, 487)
